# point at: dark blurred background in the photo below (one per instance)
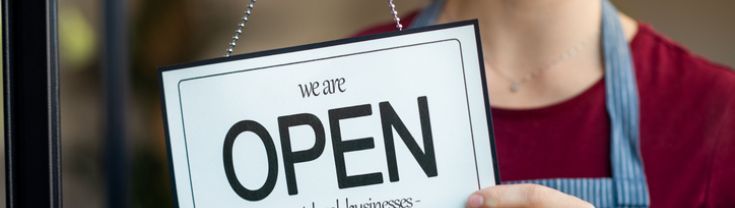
(164, 32)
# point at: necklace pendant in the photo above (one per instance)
(514, 87)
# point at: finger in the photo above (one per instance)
(523, 195)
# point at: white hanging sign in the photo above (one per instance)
(392, 120)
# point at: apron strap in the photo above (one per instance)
(428, 16)
(598, 191)
(621, 92)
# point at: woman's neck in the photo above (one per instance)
(521, 35)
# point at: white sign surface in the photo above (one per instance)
(393, 120)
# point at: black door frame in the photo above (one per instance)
(31, 92)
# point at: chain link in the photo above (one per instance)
(240, 28)
(249, 11)
(395, 15)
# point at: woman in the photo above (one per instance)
(592, 108)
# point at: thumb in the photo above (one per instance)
(522, 195)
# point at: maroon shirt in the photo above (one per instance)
(687, 128)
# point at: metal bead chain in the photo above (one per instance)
(240, 27)
(395, 15)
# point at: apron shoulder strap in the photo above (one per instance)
(621, 91)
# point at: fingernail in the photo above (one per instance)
(490, 202)
(475, 201)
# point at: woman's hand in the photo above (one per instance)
(523, 195)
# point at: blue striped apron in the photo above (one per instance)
(627, 187)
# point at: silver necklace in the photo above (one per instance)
(515, 84)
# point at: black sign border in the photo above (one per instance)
(474, 23)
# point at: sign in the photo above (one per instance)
(393, 120)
